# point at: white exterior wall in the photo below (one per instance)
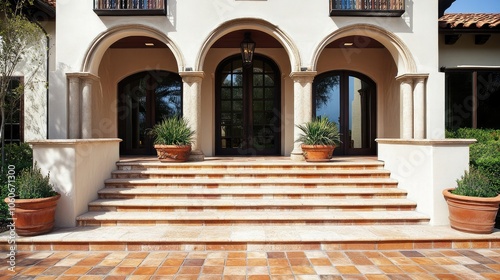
(191, 24)
(464, 53)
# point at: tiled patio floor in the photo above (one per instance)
(384, 264)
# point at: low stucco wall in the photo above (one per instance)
(78, 168)
(424, 168)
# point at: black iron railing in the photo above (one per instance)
(130, 7)
(387, 8)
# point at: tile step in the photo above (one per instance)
(231, 182)
(243, 238)
(268, 193)
(253, 216)
(241, 203)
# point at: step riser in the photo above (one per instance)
(246, 176)
(248, 223)
(264, 185)
(285, 168)
(252, 208)
(248, 196)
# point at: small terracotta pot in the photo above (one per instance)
(34, 216)
(472, 214)
(317, 153)
(173, 153)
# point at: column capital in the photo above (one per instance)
(303, 76)
(192, 76)
(412, 76)
(82, 75)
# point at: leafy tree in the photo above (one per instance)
(21, 41)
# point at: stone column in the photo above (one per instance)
(302, 106)
(419, 107)
(406, 107)
(192, 109)
(74, 106)
(86, 116)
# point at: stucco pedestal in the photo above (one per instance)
(78, 168)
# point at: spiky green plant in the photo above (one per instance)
(319, 131)
(172, 131)
(32, 184)
(475, 183)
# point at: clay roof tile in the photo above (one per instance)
(470, 21)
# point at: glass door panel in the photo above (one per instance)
(247, 108)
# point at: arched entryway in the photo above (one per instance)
(349, 99)
(144, 99)
(248, 107)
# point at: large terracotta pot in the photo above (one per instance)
(315, 153)
(34, 216)
(472, 214)
(173, 153)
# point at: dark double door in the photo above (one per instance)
(248, 108)
(145, 99)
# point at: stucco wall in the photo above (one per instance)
(303, 29)
(465, 53)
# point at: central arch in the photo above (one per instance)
(253, 24)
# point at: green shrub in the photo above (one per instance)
(319, 131)
(172, 131)
(31, 183)
(20, 157)
(475, 183)
(485, 153)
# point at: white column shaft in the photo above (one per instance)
(87, 109)
(419, 109)
(74, 108)
(406, 109)
(192, 109)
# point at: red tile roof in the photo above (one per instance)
(470, 21)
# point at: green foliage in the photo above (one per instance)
(32, 184)
(172, 131)
(484, 154)
(20, 157)
(319, 131)
(475, 183)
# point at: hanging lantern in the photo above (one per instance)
(247, 50)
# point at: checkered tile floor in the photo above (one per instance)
(411, 264)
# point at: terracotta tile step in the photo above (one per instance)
(250, 173)
(251, 218)
(254, 182)
(262, 238)
(267, 193)
(251, 165)
(168, 205)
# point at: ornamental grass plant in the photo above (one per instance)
(172, 131)
(475, 183)
(31, 183)
(319, 131)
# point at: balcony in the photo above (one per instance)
(367, 8)
(130, 7)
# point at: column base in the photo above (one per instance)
(196, 155)
(297, 155)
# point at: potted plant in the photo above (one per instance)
(172, 139)
(319, 138)
(33, 203)
(473, 204)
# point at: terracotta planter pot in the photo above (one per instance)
(34, 216)
(317, 153)
(472, 214)
(173, 153)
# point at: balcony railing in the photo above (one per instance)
(367, 8)
(130, 7)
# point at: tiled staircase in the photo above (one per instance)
(269, 204)
(251, 193)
